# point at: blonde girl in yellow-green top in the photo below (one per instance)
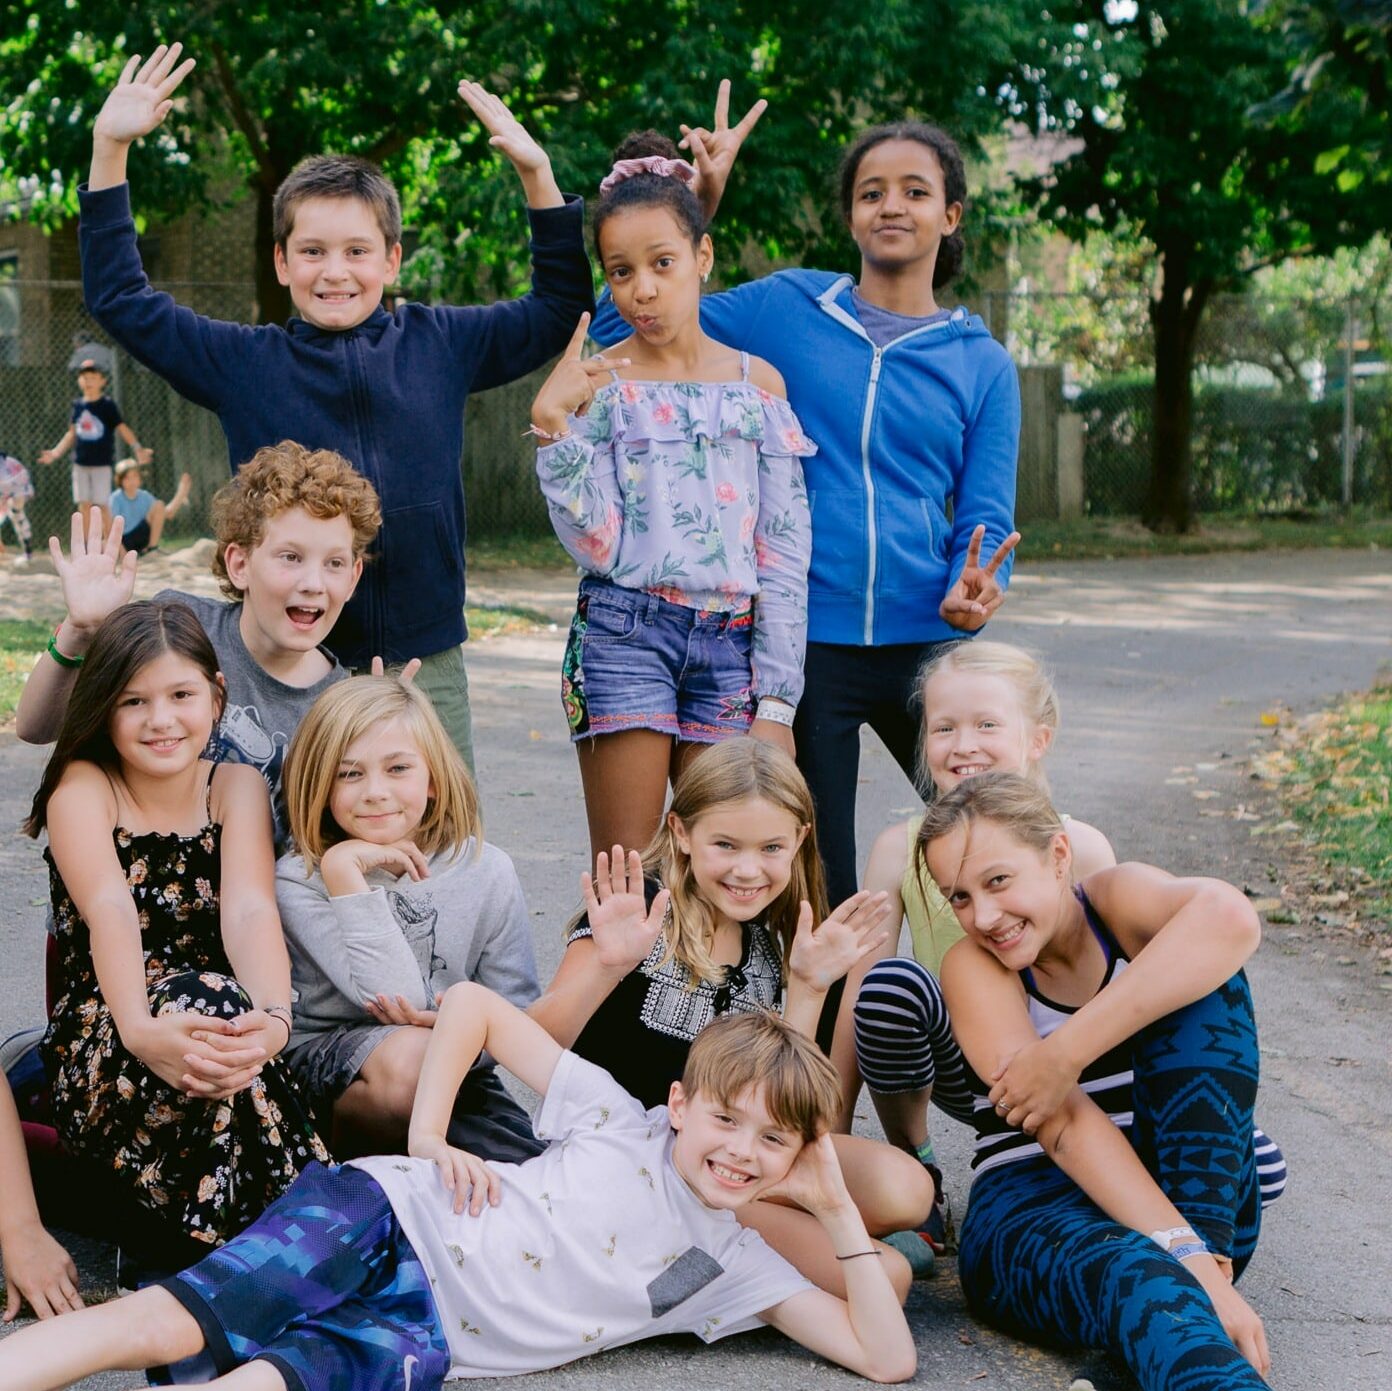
(987, 707)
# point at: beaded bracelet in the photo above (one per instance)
(62, 658)
(546, 435)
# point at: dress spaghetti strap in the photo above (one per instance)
(744, 366)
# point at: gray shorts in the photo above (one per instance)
(486, 1121)
(91, 483)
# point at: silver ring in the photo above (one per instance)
(1003, 1108)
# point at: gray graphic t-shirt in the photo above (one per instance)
(261, 713)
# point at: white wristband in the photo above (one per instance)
(1167, 1237)
(775, 711)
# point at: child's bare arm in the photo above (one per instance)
(1185, 937)
(141, 99)
(142, 455)
(97, 580)
(507, 133)
(471, 1019)
(865, 1332)
(51, 456)
(37, 1268)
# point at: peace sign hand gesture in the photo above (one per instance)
(508, 134)
(977, 594)
(141, 99)
(572, 384)
(714, 151)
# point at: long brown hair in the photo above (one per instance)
(734, 770)
(127, 641)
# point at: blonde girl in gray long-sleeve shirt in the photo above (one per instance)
(393, 897)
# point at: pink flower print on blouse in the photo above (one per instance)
(598, 544)
(792, 440)
(726, 493)
(664, 413)
(672, 594)
(629, 393)
(747, 525)
(765, 396)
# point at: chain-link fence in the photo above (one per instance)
(45, 332)
(1292, 407)
(1292, 403)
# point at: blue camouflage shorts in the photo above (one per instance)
(325, 1287)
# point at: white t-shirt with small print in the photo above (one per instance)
(596, 1243)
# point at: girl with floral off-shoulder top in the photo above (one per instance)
(672, 470)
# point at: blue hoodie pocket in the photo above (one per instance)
(840, 549)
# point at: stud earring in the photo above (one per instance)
(705, 275)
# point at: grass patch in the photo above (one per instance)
(493, 622)
(1108, 537)
(1333, 772)
(515, 553)
(21, 641)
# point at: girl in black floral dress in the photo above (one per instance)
(174, 987)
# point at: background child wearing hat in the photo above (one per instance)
(91, 435)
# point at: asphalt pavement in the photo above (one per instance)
(1165, 668)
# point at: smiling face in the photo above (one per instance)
(729, 1154)
(383, 785)
(294, 582)
(336, 262)
(741, 854)
(973, 722)
(653, 271)
(162, 720)
(1009, 897)
(899, 209)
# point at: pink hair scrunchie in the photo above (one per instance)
(666, 168)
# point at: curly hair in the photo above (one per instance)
(285, 475)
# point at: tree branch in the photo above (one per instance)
(243, 118)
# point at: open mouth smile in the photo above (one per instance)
(1004, 937)
(727, 1177)
(303, 617)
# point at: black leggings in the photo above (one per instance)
(848, 687)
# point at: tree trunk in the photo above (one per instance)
(272, 298)
(1174, 317)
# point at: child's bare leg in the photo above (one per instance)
(625, 780)
(891, 1189)
(375, 1109)
(147, 1329)
(904, 1116)
(255, 1376)
(158, 512)
(84, 508)
(803, 1242)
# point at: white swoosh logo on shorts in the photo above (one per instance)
(406, 1368)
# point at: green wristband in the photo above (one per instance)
(62, 658)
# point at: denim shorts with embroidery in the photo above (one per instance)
(637, 661)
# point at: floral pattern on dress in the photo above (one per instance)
(692, 491)
(208, 1167)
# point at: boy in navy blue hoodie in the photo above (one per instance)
(385, 390)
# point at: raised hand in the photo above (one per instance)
(97, 577)
(143, 96)
(144, 455)
(622, 925)
(508, 134)
(977, 594)
(821, 956)
(572, 384)
(713, 151)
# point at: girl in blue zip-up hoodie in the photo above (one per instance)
(916, 411)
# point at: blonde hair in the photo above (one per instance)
(344, 713)
(1034, 688)
(285, 475)
(1018, 803)
(794, 1080)
(735, 770)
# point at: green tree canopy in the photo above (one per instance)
(378, 78)
(1160, 99)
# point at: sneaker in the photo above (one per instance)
(938, 1228)
(917, 1250)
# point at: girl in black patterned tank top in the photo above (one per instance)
(173, 992)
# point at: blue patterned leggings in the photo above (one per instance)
(1040, 1260)
(904, 1043)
